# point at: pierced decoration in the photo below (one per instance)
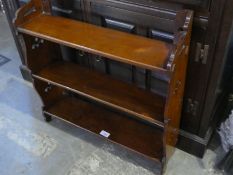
(37, 43)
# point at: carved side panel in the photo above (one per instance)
(30, 10)
(40, 53)
(178, 68)
(175, 101)
(48, 93)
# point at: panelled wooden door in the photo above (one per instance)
(204, 38)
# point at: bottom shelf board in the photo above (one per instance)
(140, 137)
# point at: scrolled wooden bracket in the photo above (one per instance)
(30, 10)
(170, 66)
(182, 37)
(23, 12)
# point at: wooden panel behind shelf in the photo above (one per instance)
(135, 135)
(120, 46)
(107, 90)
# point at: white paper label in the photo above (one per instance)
(104, 133)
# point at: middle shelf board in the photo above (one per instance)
(128, 48)
(139, 137)
(106, 90)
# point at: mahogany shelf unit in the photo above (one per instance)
(137, 118)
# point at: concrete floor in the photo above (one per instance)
(30, 146)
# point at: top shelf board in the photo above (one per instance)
(128, 48)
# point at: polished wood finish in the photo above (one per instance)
(174, 101)
(128, 132)
(106, 90)
(120, 46)
(152, 118)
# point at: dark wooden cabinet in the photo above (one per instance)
(71, 9)
(209, 45)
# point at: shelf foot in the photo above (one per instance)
(47, 118)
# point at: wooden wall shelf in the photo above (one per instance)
(136, 118)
